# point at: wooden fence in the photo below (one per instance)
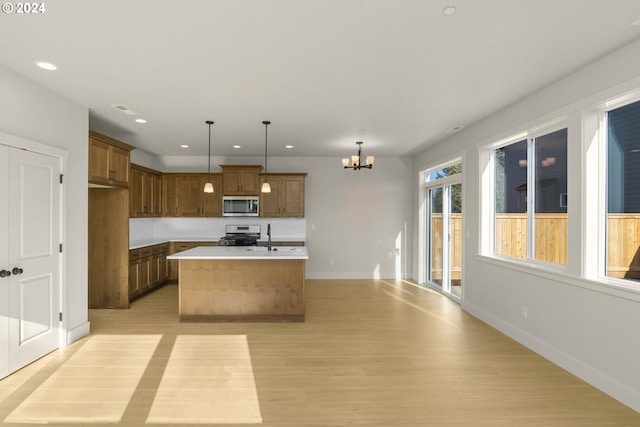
(623, 235)
(623, 254)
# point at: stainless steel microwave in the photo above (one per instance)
(240, 205)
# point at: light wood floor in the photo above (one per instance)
(371, 353)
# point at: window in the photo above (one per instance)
(623, 192)
(532, 224)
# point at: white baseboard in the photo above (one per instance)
(603, 382)
(78, 332)
(346, 276)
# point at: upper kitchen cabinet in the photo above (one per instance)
(108, 160)
(184, 195)
(145, 192)
(286, 199)
(241, 180)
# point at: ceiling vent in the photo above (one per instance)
(454, 129)
(123, 109)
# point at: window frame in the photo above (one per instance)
(586, 168)
(488, 212)
(598, 205)
(423, 185)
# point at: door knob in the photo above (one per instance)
(5, 273)
(16, 270)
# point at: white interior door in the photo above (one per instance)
(33, 256)
(4, 264)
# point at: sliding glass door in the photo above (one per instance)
(444, 236)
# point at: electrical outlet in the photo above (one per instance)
(525, 312)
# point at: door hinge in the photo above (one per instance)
(60, 247)
(61, 316)
(61, 178)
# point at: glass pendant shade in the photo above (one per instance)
(266, 188)
(208, 187)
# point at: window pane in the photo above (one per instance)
(550, 222)
(623, 192)
(437, 235)
(444, 172)
(455, 231)
(511, 200)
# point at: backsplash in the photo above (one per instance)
(211, 228)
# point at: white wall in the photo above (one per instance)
(358, 224)
(585, 327)
(30, 111)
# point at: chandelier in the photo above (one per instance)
(358, 161)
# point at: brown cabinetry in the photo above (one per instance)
(175, 247)
(286, 199)
(145, 192)
(108, 161)
(241, 180)
(184, 195)
(147, 268)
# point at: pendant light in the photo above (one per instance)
(266, 188)
(358, 161)
(208, 187)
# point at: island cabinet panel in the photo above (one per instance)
(242, 290)
(286, 199)
(241, 180)
(175, 247)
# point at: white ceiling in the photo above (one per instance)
(396, 74)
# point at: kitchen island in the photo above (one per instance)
(239, 283)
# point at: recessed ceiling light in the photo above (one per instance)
(184, 146)
(46, 65)
(141, 121)
(450, 10)
(237, 146)
(288, 146)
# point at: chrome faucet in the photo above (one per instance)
(269, 235)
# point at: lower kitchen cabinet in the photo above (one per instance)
(147, 269)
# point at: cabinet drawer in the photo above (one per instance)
(183, 246)
(158, 249)
(134, 254)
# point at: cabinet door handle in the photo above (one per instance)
(5, 273)
(17, 270)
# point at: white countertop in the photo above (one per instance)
(135, 244)
(242, 252)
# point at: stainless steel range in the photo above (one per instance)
(240, 235)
